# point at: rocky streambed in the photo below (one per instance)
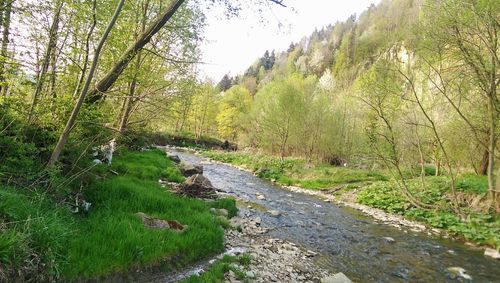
(296, 237)
(274, 259)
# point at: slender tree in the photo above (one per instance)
(72, 119)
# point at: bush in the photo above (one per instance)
(472, 183)
(430, 170)
(383, 195)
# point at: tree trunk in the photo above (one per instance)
(129, 101)
(128, 106)
(491, 151)
(51, 45)
(5, 20)
(87, 50)
(109, 79)
(483, 168)
(71, 121)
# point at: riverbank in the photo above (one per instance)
(265, 259)
(123, 221)
(374, 194)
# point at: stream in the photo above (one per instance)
(347, 240)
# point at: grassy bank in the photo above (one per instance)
(377, 190)
(42, 240)
(293, 171)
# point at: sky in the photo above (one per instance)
(232, 45)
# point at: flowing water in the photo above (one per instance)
(348, 241)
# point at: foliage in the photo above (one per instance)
(383, 195)
(472, 183)
(479, 228)
(235, 103)
(139, 139)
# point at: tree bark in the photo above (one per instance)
(483, 168)
(5, 20)
(110, 78)
(71, 121)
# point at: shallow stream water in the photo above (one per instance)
(347, 240)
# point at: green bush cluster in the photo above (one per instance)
(140, 138)
(479, 228)
(472, 183)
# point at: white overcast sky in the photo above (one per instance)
(232, 45)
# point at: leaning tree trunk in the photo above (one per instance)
(110, 78)
(71, 121)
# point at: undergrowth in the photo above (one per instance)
(481, 228)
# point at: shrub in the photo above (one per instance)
(472, 183)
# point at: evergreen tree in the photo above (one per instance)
(225, 83)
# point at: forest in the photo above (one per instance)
(399, 102)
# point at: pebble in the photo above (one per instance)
(389, 240)
(458, 272)
(273, 260)
(274, 213)
(337, 278)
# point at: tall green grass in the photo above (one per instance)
(113, 238)
(34, 235)
(110, 237)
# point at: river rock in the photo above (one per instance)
(337, 278)
(250, 274)
(274, 213)
(157, 223)
(257, 220)
(197, 186)
(260, 196)
(389, 240)
(174, 158)
(223, 212)
(458, 272)
(220, 212)
(188, 169)
(492, 253)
